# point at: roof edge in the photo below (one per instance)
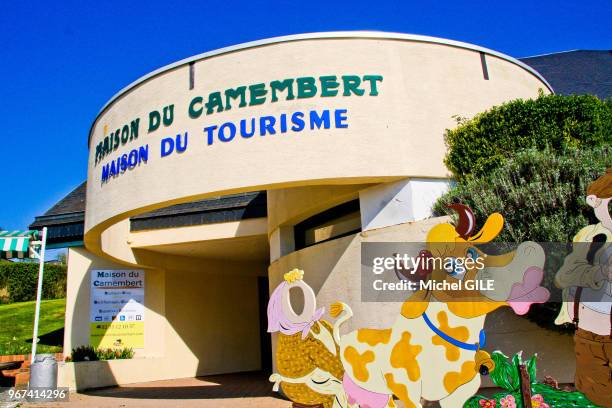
(552, 53)
(55, 219)
(314, 36)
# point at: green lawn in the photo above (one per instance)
(17, 321)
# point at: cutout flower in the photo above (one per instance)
(537, 401)
(508, 401)
(487, 403)
(294, 275)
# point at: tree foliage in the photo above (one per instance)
(541, 194)
(531, 161)
(555, 122)
(21, 279)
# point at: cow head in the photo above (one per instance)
(489, 281)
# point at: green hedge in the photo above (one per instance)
(481, 144)
(20, 279)
(541, 194)
(532, 160)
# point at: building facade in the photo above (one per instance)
(219, 173)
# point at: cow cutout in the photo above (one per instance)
(434, 349)
(309, 368)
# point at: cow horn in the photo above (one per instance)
(467, 222)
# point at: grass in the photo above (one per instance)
(17, 321)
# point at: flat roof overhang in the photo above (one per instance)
(238, 241)
(224, 213)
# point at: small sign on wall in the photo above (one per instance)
(116, 311)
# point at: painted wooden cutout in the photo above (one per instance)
(586, 280)
(309, 367)
(433, 351)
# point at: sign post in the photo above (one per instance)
(41, 267)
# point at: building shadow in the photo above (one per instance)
(53, 338)
(224, 386)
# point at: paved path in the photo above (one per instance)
(248, 390)
(245, 390)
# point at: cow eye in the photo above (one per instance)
(472, 253)
(454, 268)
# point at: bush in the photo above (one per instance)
(21, 280)
(506, 376)
(541, 194)
(114, 354)
(542, 197)
(553, 122)
(84, 353)
(88, 353)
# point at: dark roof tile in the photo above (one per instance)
(73, 202)
(576, 72)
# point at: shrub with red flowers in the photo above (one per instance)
(507, 376)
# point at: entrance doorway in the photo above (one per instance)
(265, 340)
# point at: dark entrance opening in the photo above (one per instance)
(265, 339)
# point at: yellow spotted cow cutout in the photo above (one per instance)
(309, 368)
(434, 349)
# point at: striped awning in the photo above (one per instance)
(16, 244)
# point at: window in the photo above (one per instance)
(337, 222)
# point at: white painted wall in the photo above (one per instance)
(401, 201)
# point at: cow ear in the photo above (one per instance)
(416, 304)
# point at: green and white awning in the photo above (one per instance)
(16, 244)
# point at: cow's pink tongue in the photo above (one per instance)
(524, 294)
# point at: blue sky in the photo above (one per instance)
(61, 61)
